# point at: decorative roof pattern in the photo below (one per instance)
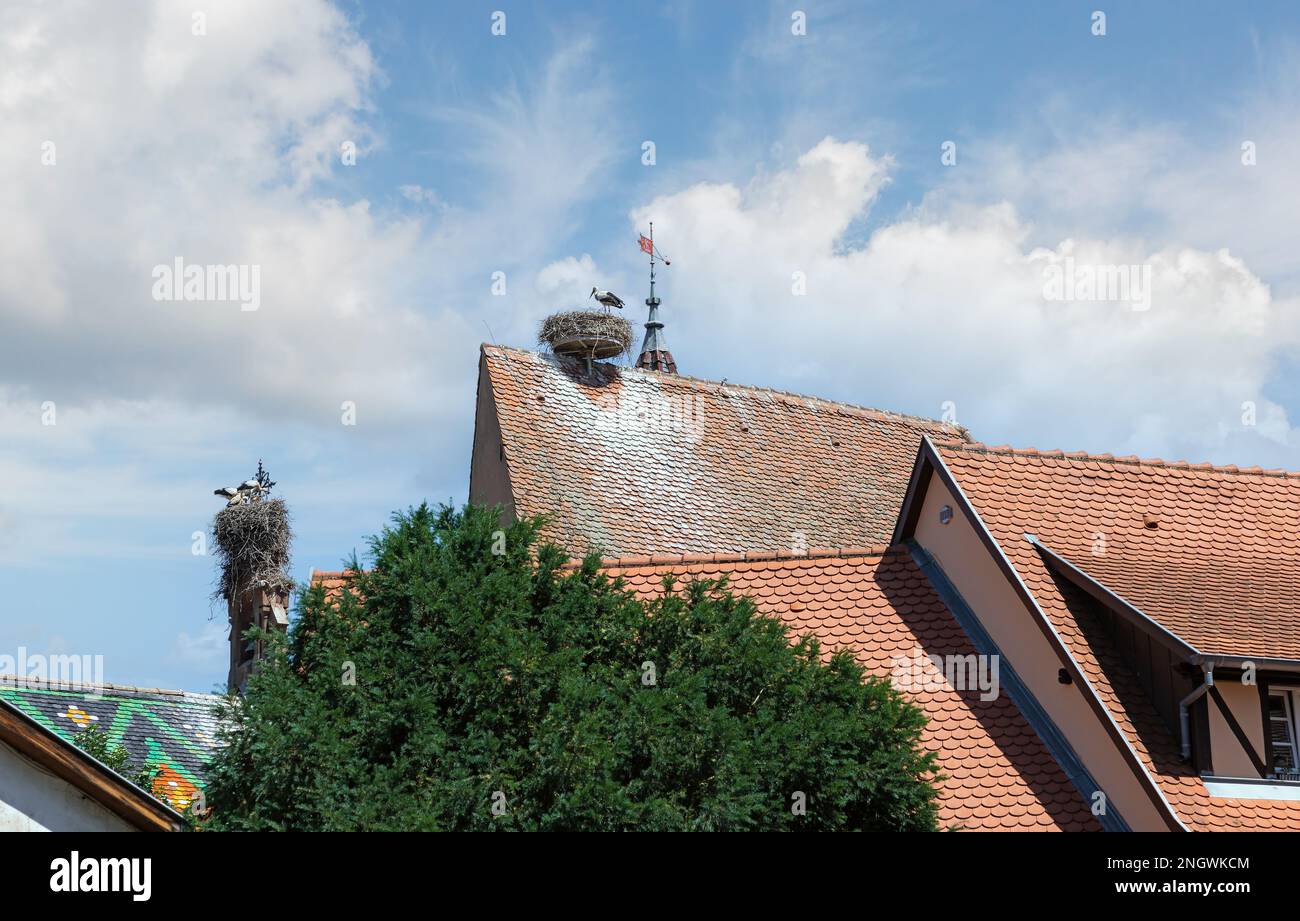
(998, 774)
(1064, 500)
(629, 461)
(172, 732)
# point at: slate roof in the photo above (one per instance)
(631, 461)
(1211, 523)
(172, 731)
(877, 603)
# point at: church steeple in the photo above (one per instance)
(654, 348)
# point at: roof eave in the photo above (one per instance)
(1116, 602)
(1144, 622)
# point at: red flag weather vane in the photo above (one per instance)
(648, 246)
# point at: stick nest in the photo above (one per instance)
(252, 545)
(585, 324)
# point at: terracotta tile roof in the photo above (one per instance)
(630, 461)
(999, 775)
(1210, 553)
(1065, 500)
(657, 360)
(1121, 691)
(172, 731)
(332, 581)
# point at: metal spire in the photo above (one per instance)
(654, 349)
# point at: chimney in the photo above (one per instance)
(654, 349)
(261, 605)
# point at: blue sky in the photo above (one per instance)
(776, 154)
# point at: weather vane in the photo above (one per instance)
(263, 478)
(648, 246)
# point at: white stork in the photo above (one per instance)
(607, 298)
(231, 494)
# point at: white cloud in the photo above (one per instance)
(224, 149)
(421, 196)
(203, 147)
(948, 304)
(1078, 168)
(211, 148)
(567, 275)
(204, 651)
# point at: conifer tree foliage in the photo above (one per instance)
(95, 742)
(470, 681)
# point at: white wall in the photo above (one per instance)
(33, 799)
(1230, 760)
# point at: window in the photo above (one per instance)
(1283, 708)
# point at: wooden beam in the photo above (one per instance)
(1238, 731)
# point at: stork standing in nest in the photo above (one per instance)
(607, 299)
(253, 488)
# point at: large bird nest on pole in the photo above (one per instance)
(586, 333)
(252, 545)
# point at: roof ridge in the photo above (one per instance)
(30, 681)
(872, 410)
(748, 556)
(1132, 460)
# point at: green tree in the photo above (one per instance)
(96, 742)
(471, 682)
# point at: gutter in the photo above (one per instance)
(1258, 661)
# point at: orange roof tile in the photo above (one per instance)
(1210, 553)
(629, 461)
(999, 774)
(1210, 520)
(333, 582)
